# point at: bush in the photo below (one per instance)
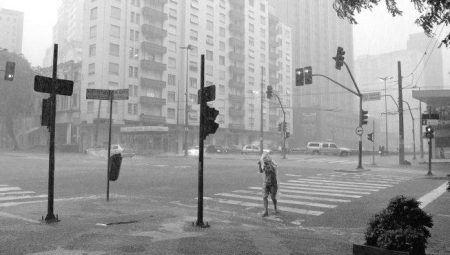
(402, 226)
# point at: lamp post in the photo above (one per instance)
(186, 110)
(385, 110)
(414, 134)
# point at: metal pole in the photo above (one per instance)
(284, 128)
(261, 126)
(413, 131)
(430, 152)
(373, 142)
(186, 110)
(421, 130)
(360, 137)
(386, 116)
(50, 218)
(98, 123)
(401, 149)
(111, 96)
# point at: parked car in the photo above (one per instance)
(252, 149)
(215, 149)
(233, 149)
(328, 148)
(193, 151)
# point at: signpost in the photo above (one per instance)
(53, 86)
(106, 94)
(371, 96)
(359, 131)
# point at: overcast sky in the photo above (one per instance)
(376, 33)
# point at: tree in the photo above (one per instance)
(433, 12)
(16, 97)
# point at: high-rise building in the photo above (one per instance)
(323, 110)
(11, 28)
(153, 48)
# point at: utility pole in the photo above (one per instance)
(385, 110)
(421, 130)
(186, 106)
(413, 129)
(261, 126)
(401, 146)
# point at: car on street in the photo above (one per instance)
(215, 149)
(327, 148)
(193, 151)
(252, 149)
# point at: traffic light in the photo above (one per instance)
(45, 114)
(209, 114)
(308, 75)
(371, 137)
(429, 132)
(279, 126)
(339, 58)
(284, 127)
(9, 70)
(287, 135)
(364, 117)
(269, 92)
(299, 77)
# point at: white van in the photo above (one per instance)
(328, 148)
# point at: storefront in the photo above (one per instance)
(146, 139)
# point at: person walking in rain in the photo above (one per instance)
(270, 186)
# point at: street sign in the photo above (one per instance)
(121, 94)
(100, 94)
(433, 116)
(371, 96)
(359, 131)
(432, 122)
(44, 85)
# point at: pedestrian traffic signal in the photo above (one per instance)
(364, 117)
(371, 137)
(429, 132)
(299, 77)
(45, 114)
(308, 75)
(269, 92)
(9, 71)
(209, 114)
(339, 58)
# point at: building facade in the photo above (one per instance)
(11, 27)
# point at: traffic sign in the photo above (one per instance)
(371, 96)
(121, 94)
(44, 85)
(433, 116)
(100, 94)
(359, 131)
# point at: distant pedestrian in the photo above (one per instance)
(270, 186)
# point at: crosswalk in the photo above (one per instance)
(13, 195)
(312, 195)
(328, 160)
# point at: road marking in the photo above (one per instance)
(160, 165)
(287, 186)
(9, 204)
(297, 196)
(313, 193)
(281, 208)
(432, 195)
(350, 183)
(182, 166)
(295, 175)
(331, 186)
(367, 181)
(9, 189)
(20, 197)
(13, 216)
(337, 184)
(286, 201)
(16, 193)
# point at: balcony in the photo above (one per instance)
(236, 126)
(153, 65)
(236, 112)
(236, 98)
(150, 83)
(237, 15)
(237, 29)
(240, 4)
(153, 119)
(235, 56)
(154, 14)
(152, 100)
(236, 84)
(237, 43)
(152, 31)
(149, 47)
(155, 2)
(237, 70)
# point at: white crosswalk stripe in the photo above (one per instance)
(328, 160)
(298, 194)
(12, 196)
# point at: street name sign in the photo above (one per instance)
(433, 116)
(121, 94)
(44, 85)
(105, 94)
(371, 96)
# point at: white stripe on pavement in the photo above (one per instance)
(342, 182)
(16, 193)
(42, 201)
(296, 196)
(313, 193)
(287, 186)
(365, 180)
(281, 208)
(20, 197)
(330, 186)
(338, 184)
(296, 175)
(285, 201)
(431, 196)
(9, 189)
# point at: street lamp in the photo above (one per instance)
(186, 110)
(385, 109)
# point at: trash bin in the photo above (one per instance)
(114, 166)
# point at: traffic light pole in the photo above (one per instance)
(373, 143)
(430, 152)
(261, 124)
(284, 127)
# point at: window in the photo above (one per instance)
(91, 69)
(222, 18)
(91, 84)
(209, 55)
(222, 60)
(138, 18)
(172, 63)
(193, 66)
(222, 46)
(263, 20)
(221, 75)
(170, 113)
(171, 80)
(115, 12)
(170, 96)
(114, 68)
(132, 17)
(194, 19)
(130, 71)
(210, 11)
(209, 25)
(251, 27)
(114, 49)
(172, 46)
(263, 32)
(263, 7)
(114, 31)
(251, 41)
(136, 72)
(222, 31)
(90, 107)
(209, 70)
(193, 98)
(210, 40)
(93, 32)
(130, 109)
(193, 83)
(92, 50)
(136, 90)
(135, 109)
(113, 84)
(221, 89)
(94, 13)
(130, 90)
(194, 35)
(172, 29)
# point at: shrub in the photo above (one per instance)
(402, 226)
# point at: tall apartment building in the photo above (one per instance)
(153, 48)
(11, 28)
(323, 110)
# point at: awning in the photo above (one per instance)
(141, 129)
(435, 98)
